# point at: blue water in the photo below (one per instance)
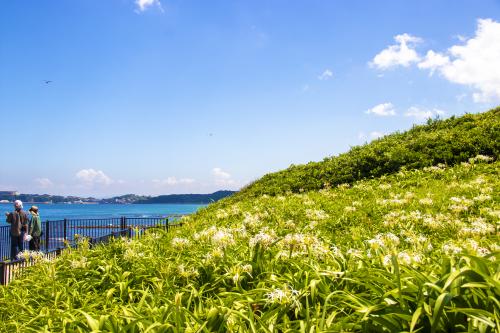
(62, 211)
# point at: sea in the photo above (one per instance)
(53, 212)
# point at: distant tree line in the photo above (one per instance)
(123, 199)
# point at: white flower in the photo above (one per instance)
(478, 227)
(221, 214)
(480, 158)
(179, 243)
(336, 251)
(435, 169)
(80, 263)
(404, 258)
(286, 296)
(426, 201)
(316, 214)
(247, 268)
(343, 186)
(387, 260)
(482, 197)
(214, 255)
(450, 248)
(302, 244)
(31, 255)
(263, 239)
(223, 238)
(395, 200)
(376, 243)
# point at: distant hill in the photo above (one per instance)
(187, 198)
(123, 199)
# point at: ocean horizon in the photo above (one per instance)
(85, 211)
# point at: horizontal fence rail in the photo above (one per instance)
(57, 235)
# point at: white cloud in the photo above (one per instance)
(383, 110)
(142, 5)
(433, 61)
(422, 114)
(170, 181)
(90, 177)
(44, 182)
(477, 62)
(326, 75)
(402, 54)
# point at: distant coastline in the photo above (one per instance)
(123, 199)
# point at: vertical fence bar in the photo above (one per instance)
(123, 223)
(47, 228)
(65, 230)
(2, 273)
(2, 238)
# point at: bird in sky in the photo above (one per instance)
(47, 81)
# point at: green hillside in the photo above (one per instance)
(449, 141)
(412, 247)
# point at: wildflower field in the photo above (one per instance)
(416, 250)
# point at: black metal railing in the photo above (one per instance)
(60, 234)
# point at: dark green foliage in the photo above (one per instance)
(449, 141)
(187, 198)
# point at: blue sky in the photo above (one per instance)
(171, 96)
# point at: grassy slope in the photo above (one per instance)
(448, 141)
(413, 247)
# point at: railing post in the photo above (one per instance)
(2, 273)
(123, 223)
(65, 230)
(166, 224)
(47, 228)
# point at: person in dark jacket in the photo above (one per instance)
(35, 229)
(18, 220)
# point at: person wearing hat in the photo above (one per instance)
(18, 220)
(35, 229)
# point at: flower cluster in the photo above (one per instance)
(435, 168)
(395, 200)
(263, 239)
(316, 214)
(285, 296)
(31, 255)
(293, 245)
(79, 263)
(478, 227)
(384, 242)
(460, 204)
(480, 158)
(179, 243)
